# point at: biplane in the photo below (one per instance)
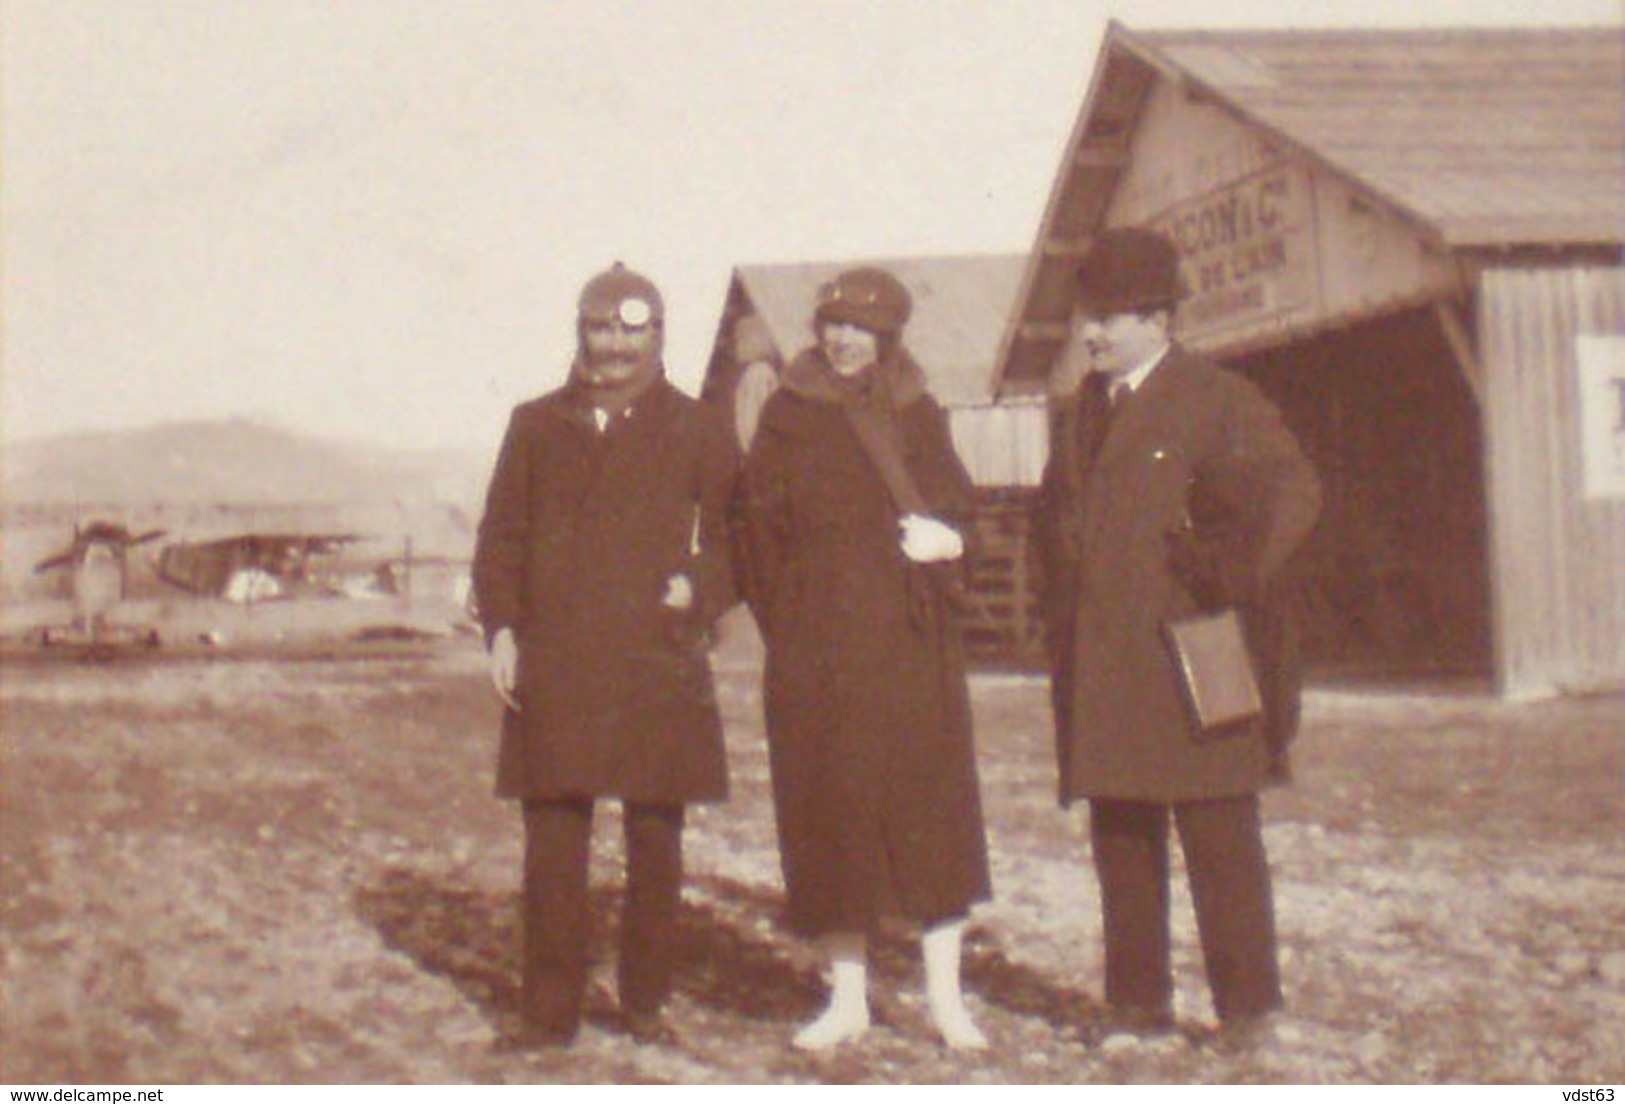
(253, 567)
(98, 563)
(120, 600)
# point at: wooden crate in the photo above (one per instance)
(1003, 627)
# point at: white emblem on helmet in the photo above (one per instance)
(635, 312)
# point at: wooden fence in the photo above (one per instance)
(1004, 627)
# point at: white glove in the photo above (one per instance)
(927, 540)
(505, 667)
(679, 592)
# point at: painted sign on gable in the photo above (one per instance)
(1246, 250)
(1273, 243)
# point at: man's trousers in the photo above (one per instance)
(1223, 844)
(558, 919)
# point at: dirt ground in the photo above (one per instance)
(259, 871)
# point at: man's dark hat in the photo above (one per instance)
(1129, 269)
(868, 297)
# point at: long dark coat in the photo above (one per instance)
(580, 532)
(1103, 527)
(868, 717)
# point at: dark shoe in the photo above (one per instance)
(1139, 1020)
(1246, 1033)
(530, 1036)
(648, 1028)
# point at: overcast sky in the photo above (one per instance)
(370, 218)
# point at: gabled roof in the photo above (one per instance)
(1493, 137)
(961, 306)
(1481, 139)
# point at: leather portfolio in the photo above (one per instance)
(1210, 654)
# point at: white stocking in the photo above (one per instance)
(847, 1016)
(941, 946)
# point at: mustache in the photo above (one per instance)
(616, 366)
(616, 358)
(847, 348)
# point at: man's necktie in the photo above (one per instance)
(1097, 410)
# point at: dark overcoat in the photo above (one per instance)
(581, 530)
(1106, 523)
(868, 717)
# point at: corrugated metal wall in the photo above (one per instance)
(1558, 559)
(1003, 444)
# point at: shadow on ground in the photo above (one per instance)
(731, 964)
(471, 937)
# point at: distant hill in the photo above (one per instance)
(232, 461)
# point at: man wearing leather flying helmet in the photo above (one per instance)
(620, 327)
(600, 566)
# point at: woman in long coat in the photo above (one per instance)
(852, 567)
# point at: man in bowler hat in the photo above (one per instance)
(600, 565)
(1173, 486)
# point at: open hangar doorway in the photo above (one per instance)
(1395, 576)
